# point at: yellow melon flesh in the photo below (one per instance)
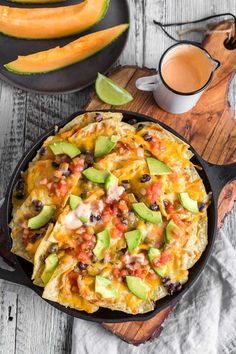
(57, 22)
(59, 57)
(36, 1)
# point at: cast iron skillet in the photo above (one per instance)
(71, 78)
(214, 177)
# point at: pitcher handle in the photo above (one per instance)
(148, 83)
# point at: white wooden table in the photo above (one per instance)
(28, 325)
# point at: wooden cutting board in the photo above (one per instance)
(210, 128)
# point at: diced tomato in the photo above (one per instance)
(115, 233)
(83, 257)
(177, 220)
(73, 277)
(116, 272)
(141, 273)
(86, 236)
(155, 143)
(61, 188)
(124, 272)
(121, 227)
(173, 176)
(153, 192)
(123, 206)
(165, 257)
(77, 165)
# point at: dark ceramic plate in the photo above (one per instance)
(74, 77)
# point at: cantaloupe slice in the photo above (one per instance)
(57, 22)
(59, 57)
(36, 1)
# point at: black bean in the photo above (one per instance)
(154, 206)
(89, 158)
(98, 117)
(53, 248)
(171, 289)
(147, 137)
(174, 288)
(140, 127)
(179, 287)
(124, 221)
(37, 204)
(82, 266)
(132, 121)
(166, 203)
(42, 151)
(165, 280)
(55, 165)
(35, 237)
(19, 195)
(201, 206)
(95, 218)
(20, 185)
(145, 178)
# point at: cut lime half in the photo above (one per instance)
(109, 92)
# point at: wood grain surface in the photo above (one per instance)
(25, 319)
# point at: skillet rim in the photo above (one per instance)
(116, 316)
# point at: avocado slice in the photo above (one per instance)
(147, 214)
(42, 218)
(168, 231)
(138, 287)
(103, 242)
(51, 263)
(111, 180)
(188, 203)
(104, 145)
(63, 147)
(96, 176)
(157, 167)
(133, 239)
(105, 287)
(152, 254)
(74, 201)
(83, 219)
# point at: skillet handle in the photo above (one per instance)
(13, 273)
(220, 175)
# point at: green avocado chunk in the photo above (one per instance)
(157, 167)
(51, 263)
(188, 203)
(95, 176)
(168, 231)
(42, 218)
(103, 242)
(133, 239)
(105, 287)
(152, 254)
(138, 287)
(63, 147)
(154, 217)
(104, 145)
(111, 180)
(74, 201)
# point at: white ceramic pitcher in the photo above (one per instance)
(170, 99)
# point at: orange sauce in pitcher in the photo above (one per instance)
(186, 68)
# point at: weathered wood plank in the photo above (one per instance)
(8, 321)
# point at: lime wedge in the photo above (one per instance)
(109, 92)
